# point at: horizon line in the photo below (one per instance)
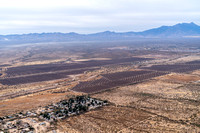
(94, 32)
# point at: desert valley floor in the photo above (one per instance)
(151, 88)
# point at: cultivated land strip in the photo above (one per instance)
(34, 73)
(131, 77)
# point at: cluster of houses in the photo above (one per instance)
(31, 121)
(70, 107)
(16, 126)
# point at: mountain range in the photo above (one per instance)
(180, 30)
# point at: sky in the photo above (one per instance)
(90, 16)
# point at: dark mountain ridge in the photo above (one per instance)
(180, 30)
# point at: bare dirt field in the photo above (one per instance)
(182, 78)
(106, 119)
(122, 119)
(24, 103)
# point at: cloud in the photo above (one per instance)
(86, 16)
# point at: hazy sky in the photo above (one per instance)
(89, 16)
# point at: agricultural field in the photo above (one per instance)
(40, 77)
(178, 68)
(112, 80)
(109, 81)
(33, 69)
(46, 72)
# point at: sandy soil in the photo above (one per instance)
(31, 102)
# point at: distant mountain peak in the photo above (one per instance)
(107, 32)
(73, 33)
(186, 24)
(178, 30)
(192, 23)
